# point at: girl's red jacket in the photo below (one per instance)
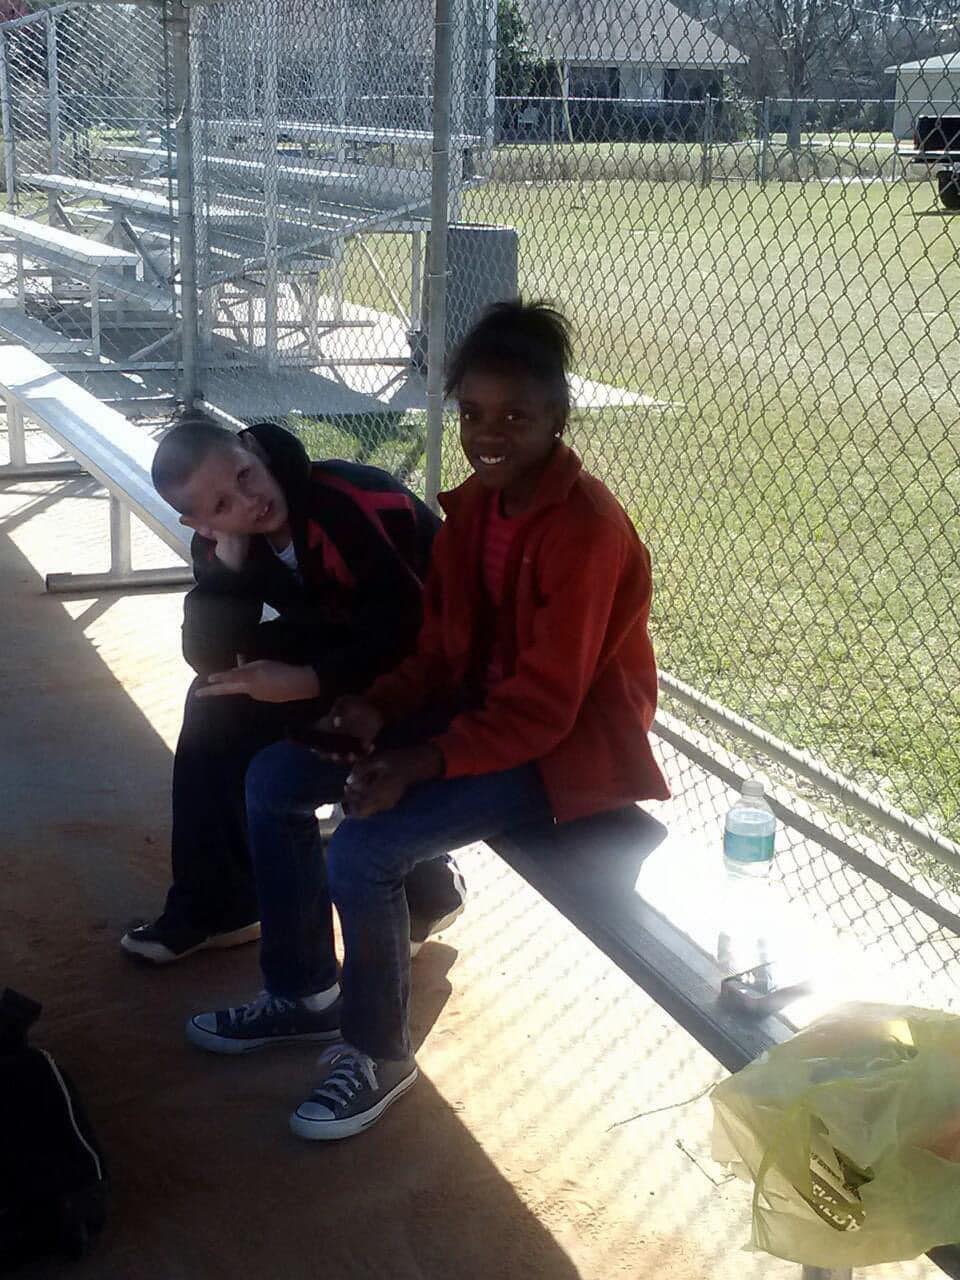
(580, 686)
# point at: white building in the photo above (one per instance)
(633, 49)
(930, 87)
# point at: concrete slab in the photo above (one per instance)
(366, 335)
(510, 1158)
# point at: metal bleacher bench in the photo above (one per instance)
(103, 268)
(591, 872)
(56, 245)
(103, 443)
(17, 326)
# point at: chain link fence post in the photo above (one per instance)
(9, 138)
(439, 207)
(179, 26)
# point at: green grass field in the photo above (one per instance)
(800, 485)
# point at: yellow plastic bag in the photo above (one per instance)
(850, 1133)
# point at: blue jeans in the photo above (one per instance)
(363, 875)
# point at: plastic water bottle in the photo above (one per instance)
(749, 839)
(749, 833)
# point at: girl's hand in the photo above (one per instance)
(380, 783)
(264, 681)
(354, 718)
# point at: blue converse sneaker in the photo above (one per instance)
(264, 1021)
(353, 1095)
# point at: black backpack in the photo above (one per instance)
(52, 1180)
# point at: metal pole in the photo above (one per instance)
(250, 59)
(764, 141)
(705, 155)
(60, 583)
(222, 112)
(16, 439)
(271, 161)
(121, 561)
(95, 327)
(53, 92)
(459, 12)
(339, 73)
(416, 281)
(489, 77)
(186, 215)
(821, 1273)
(437, 273)
(200, 37)
(565, 99)
(9, 144)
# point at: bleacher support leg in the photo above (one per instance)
(95, 313)
(18, 467)
(15, 436)
(120, 556)
(416, 281)
(121, 572)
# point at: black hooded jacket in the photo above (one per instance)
(354, 608)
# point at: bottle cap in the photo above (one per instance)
(752, 787)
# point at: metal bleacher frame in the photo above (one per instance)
(246, 282)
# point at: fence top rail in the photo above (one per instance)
(304, 130)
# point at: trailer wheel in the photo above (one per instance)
(948, 184)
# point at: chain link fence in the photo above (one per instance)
(313, 158)
(89, 280)
(765, 290)
(725, 201)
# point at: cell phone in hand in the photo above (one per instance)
(766, 988)
(330, 742)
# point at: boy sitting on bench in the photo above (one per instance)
(340, 552)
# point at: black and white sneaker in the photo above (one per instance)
(264, 1021)
(165, 943)
(443, 914)
(353, 1095)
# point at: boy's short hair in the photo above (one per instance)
(191, 439)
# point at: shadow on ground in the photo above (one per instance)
(208, 1181)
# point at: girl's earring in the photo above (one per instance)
(558, 435)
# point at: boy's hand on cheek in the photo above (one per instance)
(381, 782)
(232, 549)
(264, 681)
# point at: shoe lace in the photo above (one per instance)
(352, 1072)
(266, 1004)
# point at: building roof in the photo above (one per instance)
(654, 32)
(936, 62)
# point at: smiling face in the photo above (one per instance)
(509, 426)
(231, 492)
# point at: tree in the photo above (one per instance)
(518, 69)
(804, 38)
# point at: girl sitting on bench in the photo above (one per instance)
(529, 698)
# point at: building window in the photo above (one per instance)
(594, 82)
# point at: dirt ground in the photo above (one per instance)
(515, 1155)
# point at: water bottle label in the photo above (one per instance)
(740, 848)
